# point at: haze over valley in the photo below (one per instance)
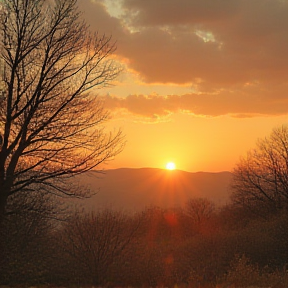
(135, 189)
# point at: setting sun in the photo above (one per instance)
(170, 166)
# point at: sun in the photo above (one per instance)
(170, 166)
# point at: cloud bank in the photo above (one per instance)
(234, 50)
(210, 105)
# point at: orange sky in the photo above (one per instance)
(202, 80)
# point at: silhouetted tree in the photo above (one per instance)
(199, 210)
(260, 181)
(25, 237)
(95, 240)
(51, 127)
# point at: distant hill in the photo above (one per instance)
(135, 189)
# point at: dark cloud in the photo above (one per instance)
(222, 45)
(98, 18)
(175, 12)
(250, 40)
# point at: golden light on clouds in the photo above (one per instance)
(185, 73)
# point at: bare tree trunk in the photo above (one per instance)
(3, 203)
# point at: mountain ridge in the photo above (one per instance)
(137, 188)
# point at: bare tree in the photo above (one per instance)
(25, 237)
(51, 127)
(260, 180)
(96, 240)
(199, 210)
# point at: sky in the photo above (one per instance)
(201, 80)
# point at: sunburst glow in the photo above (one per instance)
(170, 166)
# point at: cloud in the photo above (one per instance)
(167, 12)
(240, 104)
(249, 43)
(97, 17)
(234, 50)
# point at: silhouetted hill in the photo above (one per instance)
(135, 189)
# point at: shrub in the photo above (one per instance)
(243, 273)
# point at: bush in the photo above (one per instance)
(244, 273)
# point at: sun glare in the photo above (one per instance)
(170, 166)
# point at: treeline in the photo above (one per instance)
(198, 244)
(244, 243)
